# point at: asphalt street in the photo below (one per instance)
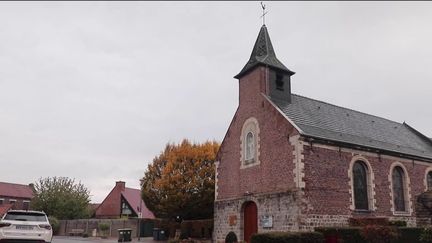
(64, 239)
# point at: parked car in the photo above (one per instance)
(21, 225)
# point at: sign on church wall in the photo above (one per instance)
(267, 221)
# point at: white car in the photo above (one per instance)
(21, 225)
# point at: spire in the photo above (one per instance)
(263, 54)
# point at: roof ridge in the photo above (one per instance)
(132, 188)
(10, 183)
(350, 109)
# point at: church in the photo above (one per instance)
(292, 163)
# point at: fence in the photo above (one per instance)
(188, 228)
(90, 226)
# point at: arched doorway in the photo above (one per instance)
(250, 216)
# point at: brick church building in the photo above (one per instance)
(292, 163)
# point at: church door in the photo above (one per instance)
(250, 220)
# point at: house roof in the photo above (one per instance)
(322, 120)
(263, 54)
(15, 190)
(133, 197)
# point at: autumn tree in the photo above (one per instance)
(61, 197)
(180, 181)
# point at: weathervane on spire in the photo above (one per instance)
(264, 12)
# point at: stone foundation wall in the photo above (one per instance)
(323, 220)
(282, 208)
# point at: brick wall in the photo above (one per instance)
(328, 188)
(317, 175)
(275, 171)
(18, 203)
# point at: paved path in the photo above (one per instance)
(66, 239)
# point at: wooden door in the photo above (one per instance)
(250, 220)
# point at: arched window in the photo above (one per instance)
(360, 184)
(250, 143)
(250, 147)
(429, 180)
(398, 177)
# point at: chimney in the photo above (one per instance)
(121, 185)
(32, 187)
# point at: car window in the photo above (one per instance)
(25, 216)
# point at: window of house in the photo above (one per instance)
(125, 210)
(398, 177)
(1, 201)
(26, 205)
(360, 184)
(250, 147)
(13, 202)
(429, 180)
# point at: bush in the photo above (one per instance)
(426, 235)
(409, 234)
(368, 221)
(231, 238)
(180, 241)
(55, 224)
(288, 237)
(353, 235)
(85, 235)
(103, 227)
(398, 223)
(346, 234)
(379, 234)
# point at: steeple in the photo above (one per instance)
(263, 54)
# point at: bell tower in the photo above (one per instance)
(277, 77)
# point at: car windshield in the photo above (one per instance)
(25, 216)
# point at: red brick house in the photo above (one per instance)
(123, 202)
(15, 196)
(290, 163)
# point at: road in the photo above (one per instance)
(65, 239)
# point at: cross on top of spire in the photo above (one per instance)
(264, 12)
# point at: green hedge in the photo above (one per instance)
(409, 234)
(368, 221)
(288, 237)
(347, 234)
(353, 234)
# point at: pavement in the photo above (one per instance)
(68, 239)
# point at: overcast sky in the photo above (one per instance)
(94, 90)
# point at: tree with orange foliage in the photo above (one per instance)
(180, 181)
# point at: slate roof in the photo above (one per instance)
(263, 54)
(322, 120)
(15, 190)
(133, 197)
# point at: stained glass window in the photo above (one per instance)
(250, 146)
(429, 180)
(398, 189)
(360, 175)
